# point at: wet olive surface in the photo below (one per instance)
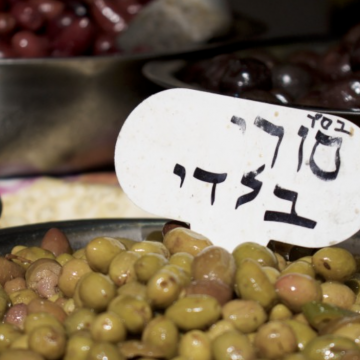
(181, 297)
(308, 76)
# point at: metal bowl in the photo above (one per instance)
(64, 115)
(80, 232)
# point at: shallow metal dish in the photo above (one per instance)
(80, 232)
(64, 115)
(163, 73)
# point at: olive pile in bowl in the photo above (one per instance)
(178, 298)
(310, 76)
(62, 28)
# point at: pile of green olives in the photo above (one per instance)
(181, 298)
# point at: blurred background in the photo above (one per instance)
(71, 71)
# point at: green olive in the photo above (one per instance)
(182, 259)
(23, 296)
(329, 347)
(121, 269)
(253, 284)
(78, 346)
(35, 320)
(80, 319)
(214, 263)
(280, 312)
(219, 328)
(13, 354)
(232, 345)
(334, 263)
(250, 250)
(351, 331)
(275, 339)
(271, 273)
(64, 258)
(39, 305)
(96, 291)
(147, 247)
(28, 255)
(8, 334)
(133, 288)
(70, 274)
(4, 302)
(195, 345)
(181, 239)
(146, 266)
(104, 351)
(303, 332)
(246, 315)
(337, 294)
(48, 342)
(163, 334)
(194, 312)
(133, 311)
(299, 267)
(108, 326)
(163, 288)
(100, 251)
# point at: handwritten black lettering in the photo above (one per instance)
(240, 122)
(250, 181)
(326, 123)
(342, 127)
(213, 178)
(291, 218)
(181, 172)
(326, 140)
(273, 130)
(303, 132)
(314, 119)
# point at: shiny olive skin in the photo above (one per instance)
(182, 259)
(280, 312)
(303, 332)
(300, 267)
(108, 326)
(253, 284)
(232, 345)
(78, 346)
(104, 351)
(163, 288)
(147, 247)
(194, 312)
(185, 240)
(195, 345)
(80, 319)
(121, 269)
(100, 251)
(296, 289)
(334, 263)
(275, 339)
(328, 347)
(35, 320)
(337, 294)
(48, 342)
(70, 274)
(96, 291)
(8, 333)
(214, 263)
(163, 334)
(246, 315)
(220, 327)
(133, 288)
(134, 312)
(147, 265)
(250, 250)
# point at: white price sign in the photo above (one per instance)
(239, 170)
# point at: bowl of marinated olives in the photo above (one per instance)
(321, 75)
(155, 289)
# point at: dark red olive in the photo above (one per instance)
(29, 45)
(50, 9)
(245, 74)
(75, 39)
(27, 16)
(7, 23)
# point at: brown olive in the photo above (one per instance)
(10, 270)
(56, 242)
